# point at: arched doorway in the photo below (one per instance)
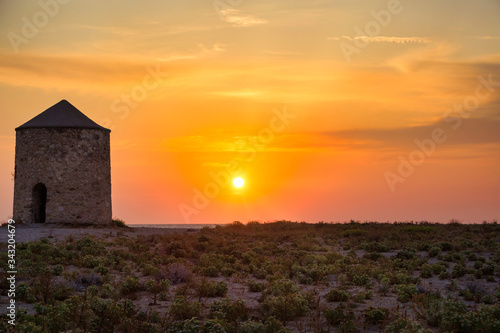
(39, 202)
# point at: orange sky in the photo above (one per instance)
(315, 104)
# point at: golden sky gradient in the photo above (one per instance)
(314, 103)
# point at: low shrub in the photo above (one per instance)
(285, 307)
(208, 288)
(338, 315)
(182, 309)
(434, 251)
(401, 325)
(129, 285)
(210, 271)
(376, 315)
(118, 223)
(255, 286)
(336, 295)
(228, 310)
(458, 271)
(156, 287)
(360, 279)
(405, 292)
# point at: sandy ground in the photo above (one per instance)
(25, 233)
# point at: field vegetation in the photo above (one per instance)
(263, 277)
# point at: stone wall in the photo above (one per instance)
(73, 164)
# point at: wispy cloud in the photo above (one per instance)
(486, 37)
(215, 48)
(280, 53)
(386, 39)
(239, 93)
(236, 18)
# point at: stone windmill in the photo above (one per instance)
(63, 170)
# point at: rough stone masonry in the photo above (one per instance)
(63, 170)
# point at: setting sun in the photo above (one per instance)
(238, 182)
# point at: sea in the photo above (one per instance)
(174, 226)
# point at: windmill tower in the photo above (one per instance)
(63, 170)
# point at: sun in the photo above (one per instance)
(238, 182)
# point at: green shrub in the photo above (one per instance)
(149, 270)
(450, 318)
(354, 233)
(362, 296)
(191, 325)
(129, 285)
(488, 269)
(434, 251)
(403, 277)
(255, 286)
(437, 269)
(89, 261)
(281, 287)
(208, 288)
(107, 291)
(336, 295)
(251, 326)
(273, 325)
(23, 293)
(286, 307)
(405, 292)
(406, 254)
(402, 325)
(58, 269)
(210, 271)
(216, 326)
(89, 246)
(360, 279)
(101, 270)
(445, 246)
(458, 271)
(230, 311)
(156, 286)
(182, 309)
(338, 315)
(426, 272)
(348, 327)
(118, 223)
(376, 315)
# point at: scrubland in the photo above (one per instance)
(262, 277)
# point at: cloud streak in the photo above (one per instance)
(386, 39)
(237, 19)
(471, 131)
(487, 37)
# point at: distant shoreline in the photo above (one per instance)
(55, 233)
(176, 226)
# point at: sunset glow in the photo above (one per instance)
(238, 182)
(330, 110)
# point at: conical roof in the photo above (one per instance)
(61, 115)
